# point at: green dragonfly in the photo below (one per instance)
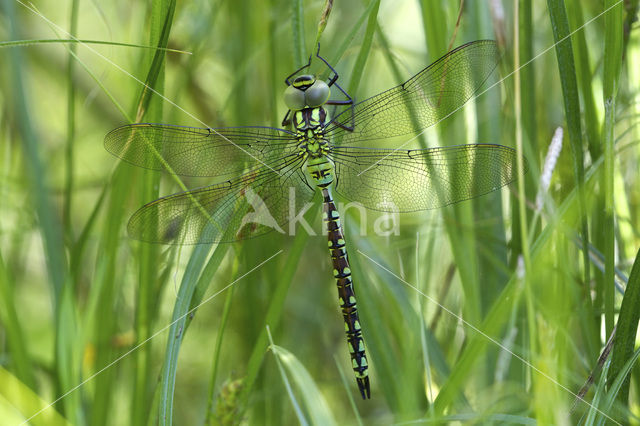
(267, 173)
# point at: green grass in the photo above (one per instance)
(117, 332)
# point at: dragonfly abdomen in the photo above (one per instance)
(346, 294)
(321, 170)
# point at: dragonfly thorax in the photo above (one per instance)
(310, 118)
(309, 125)
(313, 147)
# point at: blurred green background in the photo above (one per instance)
(489, 311)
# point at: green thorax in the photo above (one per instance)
(309, 125)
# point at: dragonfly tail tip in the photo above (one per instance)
(363, 385)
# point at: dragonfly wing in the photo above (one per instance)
(420, 179)
(428, 97)
(250, 205)
(193, 151)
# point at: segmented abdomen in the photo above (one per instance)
(346, 295)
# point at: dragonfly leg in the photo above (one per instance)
(346, 294)
(287, 80)
(286, 121)
(335, 73)
(348, 101)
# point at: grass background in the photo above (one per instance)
(96, 322)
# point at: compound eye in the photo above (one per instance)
(317, 94)
(294, 98)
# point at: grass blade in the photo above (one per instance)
(276, 306)
(71, 131)
(297, 34)
(568, 79)
(612, 67)
(16, 399)
(313, 401)
(176, 331)
(363, 54)
(21, 361)
(626, 330)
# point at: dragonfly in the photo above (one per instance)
(260, 168)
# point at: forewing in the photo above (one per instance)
(429, 96)
(253, 204)
(421, 179)
(193, 151)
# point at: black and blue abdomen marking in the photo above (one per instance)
(346, 294)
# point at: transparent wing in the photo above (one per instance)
(253, 204)
(423, 100)
(193, 151)
(420, 179)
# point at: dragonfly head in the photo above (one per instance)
(306, 91)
